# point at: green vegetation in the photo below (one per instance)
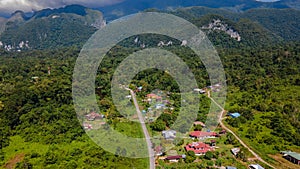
(39, 127)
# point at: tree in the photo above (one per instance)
(198, 128)
(191, 157)
(158, 125)
(219, 162)
(209, 155)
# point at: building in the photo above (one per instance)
(234, 115)
(229, 167)
(160, 106)
(153, 96)
(201, 91)
(175, 158)
(94, 116)
(235, 151)
(199, 148)
(222, 132)
(169, 134)
(203, 134)
(140, 88)
(87, 126)
(255, 166)
(291, 156)
(158, 150)
(199, 123)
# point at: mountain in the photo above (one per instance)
(133, 6)
(74, 24)
(50, 28)
(283, 23)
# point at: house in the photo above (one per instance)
(255, 166)
(140, 88)
(87, 126)
(229, 167)
(94, 116)
(128, 97)
(199, 148)
(235, 151)
(234, 115)
(199, 123)
(158, 150)
(291, 156)
(166, 102)
(160, 106)
(203, 134)
(222, 132)
(169, 134)
(201, 91)
(153, 96)
(175, 158)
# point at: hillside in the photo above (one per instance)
(68, 26)
(73, 25)
(283, 23)
(39, 128)
(133, 6)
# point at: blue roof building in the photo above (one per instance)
(229, 167)
(234, 115)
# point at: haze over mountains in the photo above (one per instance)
(133, 6)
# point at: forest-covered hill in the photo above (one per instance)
(73, 25)
(38, 124)
(50, 28)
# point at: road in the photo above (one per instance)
(230, 131)
(146, 133)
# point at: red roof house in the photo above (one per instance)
(203, 134)
(153, 96)
(175, 158)
(198, 148)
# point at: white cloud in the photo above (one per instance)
(9, 6)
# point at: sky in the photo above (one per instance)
(10, 6)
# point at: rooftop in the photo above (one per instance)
(256, 166)
(292, 154)
(235, 115)
(229, 167)
(202, 134)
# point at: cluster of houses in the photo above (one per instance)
(200, 148)
(93, 116)
(215, 88)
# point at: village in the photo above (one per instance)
(198, 146)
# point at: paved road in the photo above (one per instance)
(146, 133)
(241, 141)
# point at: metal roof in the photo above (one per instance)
(292, 154)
